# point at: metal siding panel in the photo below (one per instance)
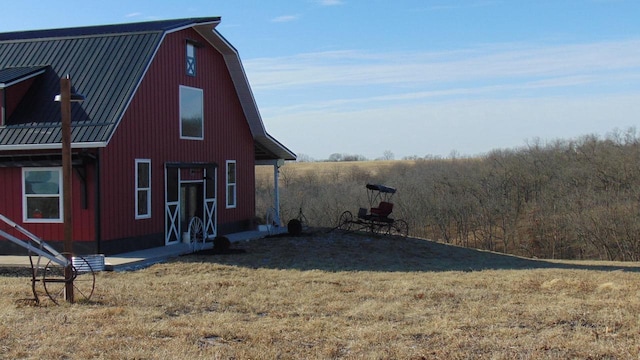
(10, 193)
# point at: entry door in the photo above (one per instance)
(197, 197)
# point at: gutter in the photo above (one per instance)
(54, 146)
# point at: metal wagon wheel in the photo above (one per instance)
(345, 221)
(399, 227)
(81, 275)
(196, 233)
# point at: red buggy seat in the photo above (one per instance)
(384, 209)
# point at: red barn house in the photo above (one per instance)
(169, 130)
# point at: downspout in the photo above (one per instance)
(98, 206)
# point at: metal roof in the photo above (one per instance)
(126, 28)
(108, 82)
(101, 77)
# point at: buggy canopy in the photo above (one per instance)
(381, 188)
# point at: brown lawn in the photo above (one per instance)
(336, 296)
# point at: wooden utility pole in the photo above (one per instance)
(67, 173)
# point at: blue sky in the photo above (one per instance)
(413, 77)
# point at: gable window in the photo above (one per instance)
(191, 59)
(231, 184)
(42, 194)
(143, 188)
(191, 113)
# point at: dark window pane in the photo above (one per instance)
(231, 172)
(142, 202)
(143, 175)
(43, 208)
(231, 195)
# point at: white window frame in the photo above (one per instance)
(25, 196)
(201, 137)
(142, 189)
(233, 186)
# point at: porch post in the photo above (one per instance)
(276, 189)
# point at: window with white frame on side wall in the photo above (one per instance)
(143, 189)
(191, 113)
(42, 195)
(231, 184)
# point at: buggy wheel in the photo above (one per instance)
(345, 221)
(399, 227)
(196, 234)
(81, 275)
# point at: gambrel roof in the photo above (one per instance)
(108, 82)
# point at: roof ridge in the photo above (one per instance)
(108, 29)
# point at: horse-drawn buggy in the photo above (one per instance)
(377, 218)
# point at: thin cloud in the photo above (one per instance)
(497, 63)
(472, 4)
(285, 18)
(330, 2)
(422, 96)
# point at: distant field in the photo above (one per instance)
(336, 296)
(330, 167)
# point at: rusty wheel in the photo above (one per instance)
(345, 221)
(399, 227)
(79, 273)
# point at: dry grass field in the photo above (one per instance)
(328, 168)
(336, 296)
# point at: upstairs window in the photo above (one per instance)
(191, 113)
(191, 59)
(42, 195)
(143, 188)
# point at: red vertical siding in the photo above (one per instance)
(151, 130)
(10, 195)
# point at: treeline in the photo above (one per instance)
(577, 199)
(337, 157)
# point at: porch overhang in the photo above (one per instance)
(42, 160)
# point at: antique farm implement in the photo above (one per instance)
(61, 270)
(377, 218)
